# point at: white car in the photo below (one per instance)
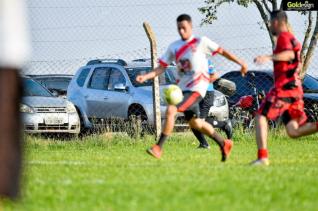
(42, 112)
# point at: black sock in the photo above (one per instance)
(216, 123)
(218, 139)
(162, 140)
(200, 137)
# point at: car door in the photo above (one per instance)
(117, 99)
(96, 93)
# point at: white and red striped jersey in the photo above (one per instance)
(192, 62)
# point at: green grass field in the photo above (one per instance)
(113, 172)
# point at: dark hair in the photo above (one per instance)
(184, 17)
(279, 15)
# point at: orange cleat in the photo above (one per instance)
(155, 151)
(226, 150)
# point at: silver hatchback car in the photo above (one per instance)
(105, 89)
(44, 113)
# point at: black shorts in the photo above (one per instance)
(190, 105)
(206, 104)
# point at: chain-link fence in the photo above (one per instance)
(84, 51)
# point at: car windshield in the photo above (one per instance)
(166, 79)
(57, 83)
(32, 88)
(310, 84)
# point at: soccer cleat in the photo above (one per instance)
(155, 151)
(228, 129)
(202, 146)
(226, 149)
(260, 162)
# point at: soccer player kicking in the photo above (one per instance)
(285, 99)
(205, 106)
(190, 54)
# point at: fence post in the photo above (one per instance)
(155, 86)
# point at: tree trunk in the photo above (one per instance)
(311, 48)
(265, 19)
(307, 36)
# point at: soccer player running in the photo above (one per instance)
(205, 106)
(285, 99)
(190, 54)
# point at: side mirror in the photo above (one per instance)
(120, 87)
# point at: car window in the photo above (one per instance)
(32, 88)
(82, 77)
(116, 77)
(99, 79)
(57, 83)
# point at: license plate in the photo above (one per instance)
(53, 121)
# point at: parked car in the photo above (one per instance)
(44, 113)
(55, 83)
(263, 81)
(105, 89)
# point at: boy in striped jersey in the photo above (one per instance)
(190, 54)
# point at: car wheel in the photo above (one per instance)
(83, 130)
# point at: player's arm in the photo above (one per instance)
(283, 56)
(233, 58)
(164, 62)
(215, 48)
(150, 75)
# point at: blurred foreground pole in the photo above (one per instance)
(155, 86)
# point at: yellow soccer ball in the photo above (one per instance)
(173, 95)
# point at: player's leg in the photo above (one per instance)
(207, 103)
(10, 133)
(271, 108)
(204, 111)
(226, 126)
(261, 140)
(207, 129)
(294, 130)
(156, 150)
(203, 142)
(169, 124)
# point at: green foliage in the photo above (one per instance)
(210, 10)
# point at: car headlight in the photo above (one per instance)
(26, 109)
(218, 102)
(70, 108)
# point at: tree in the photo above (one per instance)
(264, 8)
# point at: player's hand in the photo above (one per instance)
(140, 79)
(262, 59)
(244, 69)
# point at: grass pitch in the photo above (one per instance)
(113, 172)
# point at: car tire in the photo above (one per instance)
(83, 130)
